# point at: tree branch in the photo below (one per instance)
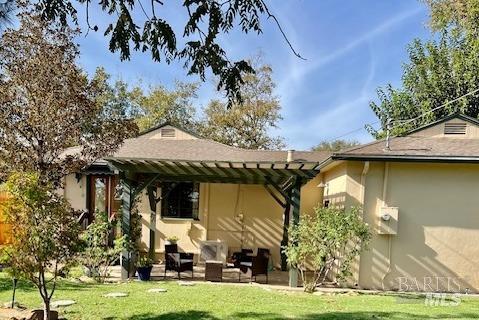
(285, 37)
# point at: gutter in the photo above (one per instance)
(406, 158)
(325, 163)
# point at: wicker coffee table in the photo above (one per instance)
(214, 270)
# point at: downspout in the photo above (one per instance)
(385, 183)
(384, 204)
(362, 200)
(363, 184)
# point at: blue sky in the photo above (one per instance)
(351, 47)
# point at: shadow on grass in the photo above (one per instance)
(334, 315)
(6, 284)
(191, 314)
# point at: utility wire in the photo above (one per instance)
(355, 130)
(406, 121)
(402, 122)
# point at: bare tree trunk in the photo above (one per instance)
(46, 309)
(42, 286)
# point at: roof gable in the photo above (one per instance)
(168, 131)
(456, 125)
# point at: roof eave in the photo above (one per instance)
(406, 158)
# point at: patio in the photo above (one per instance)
(230, 275)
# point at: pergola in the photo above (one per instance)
(282, 179)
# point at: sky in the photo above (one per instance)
(351, 48)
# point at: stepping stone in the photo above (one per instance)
(186, 283)
(62, 303)
(157, 290)
(116, 295)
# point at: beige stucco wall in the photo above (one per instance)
(438, 225)
(242, 215)
(219, 216)
(245, 216)
(75, 191)
(189, 232)
(335, 189)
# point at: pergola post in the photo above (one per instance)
(153, 201)
(284, 241)
(296, 199)
(127, 198)
(295, 208)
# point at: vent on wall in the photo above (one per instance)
(168, 133)
(455, 128)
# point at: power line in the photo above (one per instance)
(355, 130)
(406, 121)
(437, 108)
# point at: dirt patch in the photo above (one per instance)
(19, 314)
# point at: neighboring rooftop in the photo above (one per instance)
(454, 138)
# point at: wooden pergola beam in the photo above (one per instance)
(284, 179)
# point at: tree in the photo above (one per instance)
(335, 145)
(200, 51)
(116, 97)
(330, 239)
(457, 15)
(437, 73)
(246, 125)
(45, 233)
(160, 105)
(48, 104)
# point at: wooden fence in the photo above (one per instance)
(5, 229)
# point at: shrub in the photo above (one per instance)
(144, 261)
(329, 238)
(173, 239)
(98, 255)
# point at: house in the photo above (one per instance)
(199, 190)
(419, 196)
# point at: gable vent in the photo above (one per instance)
(455, 128)
(168, 133)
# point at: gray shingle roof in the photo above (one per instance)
(422, 147)
(416, 147)
(207, 150)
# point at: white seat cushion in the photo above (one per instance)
(186, 260)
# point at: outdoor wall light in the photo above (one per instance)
(118, 192)
(240, 217)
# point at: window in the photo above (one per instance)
(102, 195)
(180, 200)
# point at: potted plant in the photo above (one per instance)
(143, 268)
(172, 240)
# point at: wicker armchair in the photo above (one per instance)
(178, 261)
(257, 266)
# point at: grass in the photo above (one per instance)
(212, 302)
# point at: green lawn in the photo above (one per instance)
(209, 301)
